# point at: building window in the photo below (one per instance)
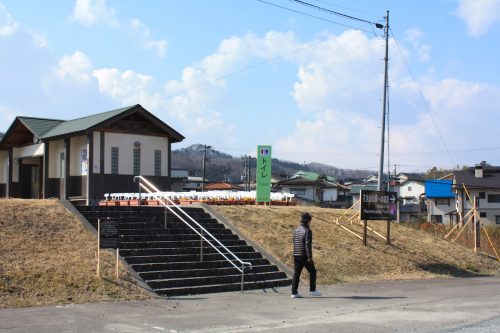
(482, 214)
(436, 218)
(442, 201)
(157, 162)
(493, 197)
(482, 195)
(497, 219)
(114, 160)
(137, 161)
(409, 188)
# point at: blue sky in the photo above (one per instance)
(236, 74)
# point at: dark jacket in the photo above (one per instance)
(302, 241)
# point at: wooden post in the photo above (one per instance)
(477, 226)
(117, 263)
(388, 240)
(491, 243)
(98, 247)
(365, 227)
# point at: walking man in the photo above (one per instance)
(302, 256)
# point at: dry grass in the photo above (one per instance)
(340, 257)
(466, 238)
(48, 257)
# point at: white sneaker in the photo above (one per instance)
(315, 293)
(296, 296)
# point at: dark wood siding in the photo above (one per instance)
(102, 184)
(75, 186)
(15, 190)
(52, 188)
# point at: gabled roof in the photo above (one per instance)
(435, 188)
(321, 183)
(490, 179)
(39, 125)
(82, 124)
(26, 129)
(310, 175)
(104, 118)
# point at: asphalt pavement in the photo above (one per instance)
(438, 305)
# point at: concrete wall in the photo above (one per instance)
(77, 144)
(4, 166)
(442, 210)
(55, 150)
(125, 144)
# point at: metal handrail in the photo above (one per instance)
(152, 189)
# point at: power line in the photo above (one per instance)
(423, 99)
(344, 7)
(313, 16)
(329, 11)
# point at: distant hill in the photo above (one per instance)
(224, 167)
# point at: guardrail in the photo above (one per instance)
(202, 232)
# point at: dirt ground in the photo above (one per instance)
(48, 257)
(340, 257)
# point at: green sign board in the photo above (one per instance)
(263, 173)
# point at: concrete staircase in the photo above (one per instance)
(168, 259)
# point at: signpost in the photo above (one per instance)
(108, 237)
(378, 205)
(263, 174)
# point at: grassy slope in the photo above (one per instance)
(48, 257)
(341, 257)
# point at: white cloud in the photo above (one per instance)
(479, 15)
(90, 12)
(6, 115)
(414, 36)
(143, 34)
(76, 67)
(8, 26)
(127, 87)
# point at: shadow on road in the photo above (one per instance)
(447, 269)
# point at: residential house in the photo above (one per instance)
(310, 187)
(87, 157)
(440, 198)
(481, 182)
(411, 191)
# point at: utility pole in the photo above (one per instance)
(384, 105)
(205, 148)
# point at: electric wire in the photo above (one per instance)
(423, 100)
(329, 11)
(314, 16)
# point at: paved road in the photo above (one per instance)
(443, 306)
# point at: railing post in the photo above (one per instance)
(201, 246)
(242, 275)
(165, 217)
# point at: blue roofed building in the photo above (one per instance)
(441, 206)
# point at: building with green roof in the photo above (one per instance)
(87, 157)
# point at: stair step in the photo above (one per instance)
(185, 257)
(193, 265)
(218, 288)
(192, 273)
(128, 252)
(222, 279)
